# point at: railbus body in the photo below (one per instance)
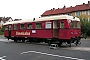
(51, 29)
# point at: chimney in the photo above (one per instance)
(64, 7)
(89, 3)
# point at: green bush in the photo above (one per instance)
(85, 27)
(2, 30)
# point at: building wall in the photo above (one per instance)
(70, 11)
(87, 16)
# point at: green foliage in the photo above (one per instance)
(85, 27)
(1, 33)
(2, 30)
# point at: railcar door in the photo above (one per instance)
(55, 29)
(9, 31)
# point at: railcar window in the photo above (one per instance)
(62, 24)
(38, 25)
(77, 24)
(15, 27)
(48, 25)
(72, 24)
(21, 26)
(10, 27)
(29, 26)
(6, 27)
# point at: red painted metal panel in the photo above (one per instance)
(75, 32)
(64, 34)
(43, 24)
(6, 33)
(33, 33)
(69, 33)
(67, 25)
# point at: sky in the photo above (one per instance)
(27, 9)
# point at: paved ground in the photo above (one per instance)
(28, 51)
(2, 37)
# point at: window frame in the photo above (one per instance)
(63, 24)
(83, 12)
(50, 26)
(7, 27)
(21, 26)
(72, 26)
(15, 27)
(88, 12)
(28, 26)
(77, 13)
(77, 23)
(88, 19)
(38, 26)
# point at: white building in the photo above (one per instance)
(4, 20)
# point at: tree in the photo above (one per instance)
(2, 29)
(85, 27)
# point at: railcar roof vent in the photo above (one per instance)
(74, 17)
(33, 19)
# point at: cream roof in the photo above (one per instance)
(56, 17)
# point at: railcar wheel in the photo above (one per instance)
(15, 40)
(23, 40)
(70, 43)
(78, 43)
(60, 43)
(49, 43)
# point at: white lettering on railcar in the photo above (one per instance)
(23, 33)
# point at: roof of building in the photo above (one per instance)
(4, 19)
(65, 10)
(56, 17)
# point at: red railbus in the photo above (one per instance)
(52, 29)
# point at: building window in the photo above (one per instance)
(22, 26)
(30, 26)
(48, 25)
(15, 27)
(83, 12)
(88, 12)
(62, 24)
(77, 13)
(38, 25)
(88, 19)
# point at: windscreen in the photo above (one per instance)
(74, 24)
